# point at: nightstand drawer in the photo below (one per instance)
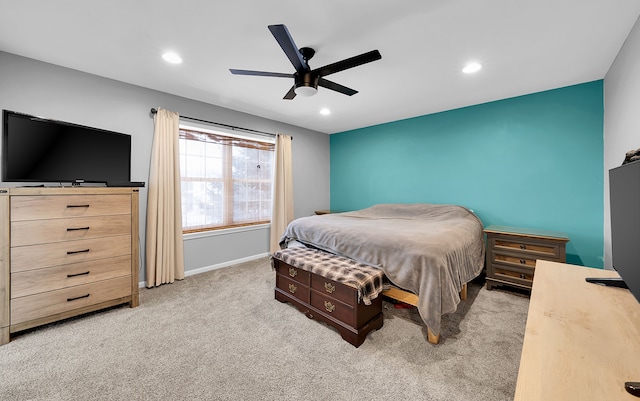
(513, 260)
(520, 276)
(523, 247)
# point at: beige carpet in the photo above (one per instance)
(221, 336)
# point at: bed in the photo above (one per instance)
(429, 250)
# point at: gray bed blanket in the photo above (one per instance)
(428, 249)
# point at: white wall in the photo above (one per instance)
(37, 88)
(621, 117)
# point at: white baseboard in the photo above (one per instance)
(204, 269)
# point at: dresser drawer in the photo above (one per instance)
(293, 273)
(292, 287)
(50, 303)
(30, 232)
(535, 249)
(339, 291)
(37, 256)
(334, 308)
(62, 206)
(31, 282)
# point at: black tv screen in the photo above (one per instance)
(36, 149)
(624, 195)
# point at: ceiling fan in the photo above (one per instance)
(306, 80)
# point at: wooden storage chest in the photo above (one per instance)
(328, 301)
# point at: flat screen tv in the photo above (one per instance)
(624, 197)
(36, 149)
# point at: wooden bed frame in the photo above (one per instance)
(410, 298)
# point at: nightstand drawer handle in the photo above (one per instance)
(292, 272)
(292, 288)
(523, 246)
(522, 275)
(523, 262)
(329, 287)
(329, 306)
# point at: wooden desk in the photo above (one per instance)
(582, 340)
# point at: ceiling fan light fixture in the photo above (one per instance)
(305, 89)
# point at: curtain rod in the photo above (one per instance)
(232, 127)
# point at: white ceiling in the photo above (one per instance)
(524, 46)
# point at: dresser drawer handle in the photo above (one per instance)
(70, 206)
(82, 251)
(80, 297)
(292, 288)
(329, 306)
(523, 262)
(292, 272)
(77, 229)
(329, 287)
(523, 246)
(78, 274)
(522, 275)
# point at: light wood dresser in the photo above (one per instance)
(512, 253)
(65, 252)
(582, 340)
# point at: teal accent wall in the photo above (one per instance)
(530, 161)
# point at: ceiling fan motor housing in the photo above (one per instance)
(306, 83)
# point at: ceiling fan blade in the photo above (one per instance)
(336, 87)
(284, 39)
(355, 61)
(291, 94)
(260, 73)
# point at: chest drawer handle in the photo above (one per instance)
(292, 272)
(292, 288)
(329, 306)
(329, 287)
(70, 206)
(80, 297)
(523, 246)
(522, 275)
(523, 262)
(77, 229)
(82, 251)
(78, 274)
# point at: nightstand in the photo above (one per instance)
(512, 253)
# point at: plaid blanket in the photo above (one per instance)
(365, 279)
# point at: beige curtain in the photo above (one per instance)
(165, 255)
(282, 213)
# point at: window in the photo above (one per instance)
(226, 180)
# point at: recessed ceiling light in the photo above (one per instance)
(325, 111)
(471, 68)
(171, 57)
